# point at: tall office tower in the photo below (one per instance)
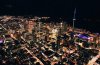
(30, 26)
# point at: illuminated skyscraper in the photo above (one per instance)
(30, 26)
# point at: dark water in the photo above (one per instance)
(88, 25)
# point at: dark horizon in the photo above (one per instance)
(85, 9)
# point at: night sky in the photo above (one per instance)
(86, 10)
